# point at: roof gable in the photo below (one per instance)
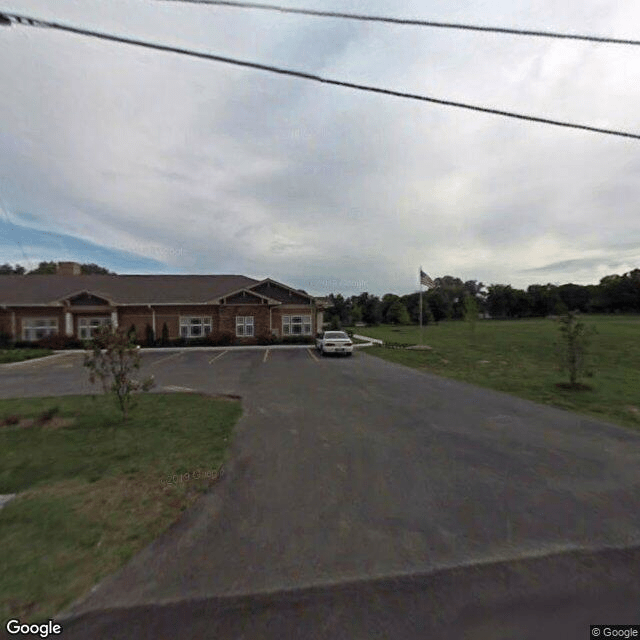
(86, 298)
(244, 297)
(281, 292)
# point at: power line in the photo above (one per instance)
(33, 22)
(408, 21)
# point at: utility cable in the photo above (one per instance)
(409, 21)
(32, 22)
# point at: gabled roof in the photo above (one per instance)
(153, 289)
(229, 294)
(280, 292)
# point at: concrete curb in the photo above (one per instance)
(256, 347)
(252, 347)
(371, 340)
(56, 354)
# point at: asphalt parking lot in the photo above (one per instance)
(363, 497)
(209, 371)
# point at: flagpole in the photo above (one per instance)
(420, 279)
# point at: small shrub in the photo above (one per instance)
(5, 340)
(60, 342)
(133, 336)
(150, 338)
(12, 419)
(397, 345)
(164, 340)
(23, 344)
(225, 339)
(298, 340)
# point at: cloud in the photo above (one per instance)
(208, 168)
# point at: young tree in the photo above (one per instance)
(150, 338)
(572, 352)
(112, 361)
(133, 337)
(471, 312)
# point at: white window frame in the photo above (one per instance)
(291, 324)
(32, 327)
(87, 325)
(188, 323)
(245, 327)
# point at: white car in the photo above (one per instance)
(334, 342)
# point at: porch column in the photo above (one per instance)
(13, 325)
(319, 321)
(68, 323)
(153, 320)
(114, 319)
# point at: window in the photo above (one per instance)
(191, 327)
(296, 325)
(38, 328)
(87, 326)
(244, 325)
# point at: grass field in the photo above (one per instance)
(18, 355)
(517, 356)
(92, 491)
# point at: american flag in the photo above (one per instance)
(426, 280)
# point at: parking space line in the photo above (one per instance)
(312, 355)
(173, 355)
(266, 355)
(218, 356)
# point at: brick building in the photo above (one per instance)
(35, 306)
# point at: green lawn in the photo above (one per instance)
(18, 355)
(521, 360)
(94, 491)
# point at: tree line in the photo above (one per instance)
(50, 268)
(452, 299)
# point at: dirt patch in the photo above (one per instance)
(28, 423)
(58, 423)
(576, 386)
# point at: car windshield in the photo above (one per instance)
(336, 335)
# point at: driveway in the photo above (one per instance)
(365, 499)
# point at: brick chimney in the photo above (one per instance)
(68, 269)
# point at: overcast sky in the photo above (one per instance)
(149, 162)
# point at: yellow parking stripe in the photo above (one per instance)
(266, 355)
(312, 355)
(216, 357)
